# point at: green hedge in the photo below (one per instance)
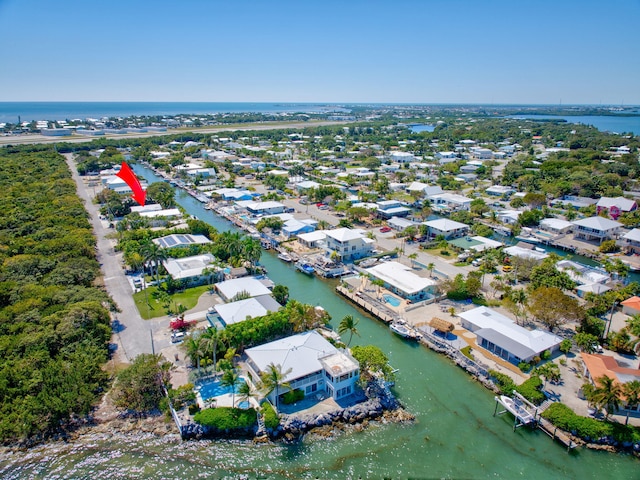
(588, 428)
(226, 418)
(531, 390)
(271, 419)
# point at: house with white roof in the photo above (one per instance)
(596, 229)
(614, 207)
(446, 157)
(391, 208)
(556, 225)
(582, 274)
(500, 191)
(236, 312)
(262, 208)
(190, 268)
(305, 186)
(510, 217)
(574, 201)
(401, 280)
(313, 240)
(447, 228)
(234, 194)
(525, 253)
(295, 227)
(180, 240)
(503, 337)
(348, 244)
(400, 224)
(450, 201)
(402, 157)
(309, 363)
(630, 241)
(250, 286)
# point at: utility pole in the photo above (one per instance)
(153, 349)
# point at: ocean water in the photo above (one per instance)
(605, 123)
(28, 111)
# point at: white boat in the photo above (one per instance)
(516, 408)
(285, 257)
(403, 330)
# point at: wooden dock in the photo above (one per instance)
(556, 434)
(362, 302)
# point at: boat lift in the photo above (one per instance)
(524, 412)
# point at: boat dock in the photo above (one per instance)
(379, 312)
(526, 413)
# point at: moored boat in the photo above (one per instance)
(403, 330)
(285, 257)
(305, 267)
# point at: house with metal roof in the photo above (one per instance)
(236, 312)
(308, 363)
(630, 241)
(190, 268)
(401, 280)
(503, 337)
(251, 286)
(614, 207)
(596, 229)
(447, 228)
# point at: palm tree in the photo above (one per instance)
(608, 394)
(211, 338)
(430, 267)
(195, 349)
(379, 284)
(155, 254)
(413, 257)
(632, 392)
(251, 250)
(364, 276)
(246, 392)
(231, 379)
(272, 379)
(348, 324)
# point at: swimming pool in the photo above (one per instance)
(391, 300)
(213, 388)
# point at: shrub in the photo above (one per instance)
(226, 418)
(271, 419)
(503, 382)
(194, 408)
(525, 367)
(292, 396)
(546, 355)
(565, 346)
(532, 390)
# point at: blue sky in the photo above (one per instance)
(421, 51)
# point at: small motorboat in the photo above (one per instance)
(285, 257)
(305, 268)
(403, 330)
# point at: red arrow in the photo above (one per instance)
(126, 174)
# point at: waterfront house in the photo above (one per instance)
(401, 280)
(510, 217)
(630, 241)
(294, 226)
(180, 240)
(309, 363)
(445, 227)
(556, 226)
(251, 287)
(614, 207)
(525, 253)
(348, 244)
(582, 274)
(312, 240)
(236, 312)
(503, 337)
(234, 194)
(596, 229)
(262, 208)
(598, 365)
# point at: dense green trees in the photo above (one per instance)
(139, 387)
(54, 327)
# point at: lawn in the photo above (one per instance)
(188, 298)
(437, 251)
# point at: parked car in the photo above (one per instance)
(385, 229)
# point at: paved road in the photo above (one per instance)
(134, 336)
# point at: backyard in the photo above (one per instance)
(151, 305)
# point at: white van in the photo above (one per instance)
(177, 337)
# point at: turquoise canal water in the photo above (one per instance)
(455, 434)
